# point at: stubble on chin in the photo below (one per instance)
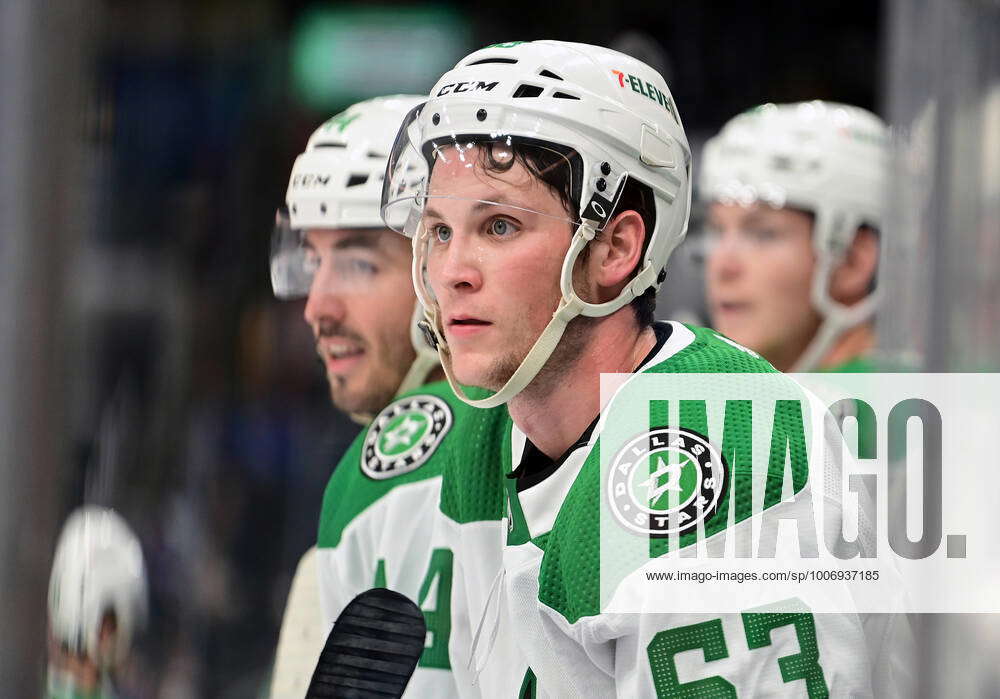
(571, 346)
(368, 402)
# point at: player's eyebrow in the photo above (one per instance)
(478, 206)
(357, 240)
(752, 218)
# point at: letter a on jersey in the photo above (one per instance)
(404, 435)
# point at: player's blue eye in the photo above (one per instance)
(501, 227)
(762, 235)
(363, 267)
(310, 262)
(442, 233)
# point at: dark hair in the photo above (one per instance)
(543, 161)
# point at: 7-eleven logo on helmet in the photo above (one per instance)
(647, 89)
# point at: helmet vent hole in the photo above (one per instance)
(549, 74)
(356, 180)
(330, 145)
(322, 208)
(527, 91)
(782, 162)
(564, 96)
(484, 61)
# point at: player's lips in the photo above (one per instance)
(732, 308)
(462, 326)
(340, 355)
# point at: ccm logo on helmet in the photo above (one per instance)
(476, 86)
(647, 89)
(308, 179)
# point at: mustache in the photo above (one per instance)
(328, 327)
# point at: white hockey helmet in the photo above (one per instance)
(98, 569)
(337, 183)
(613, 113)
(823, 157)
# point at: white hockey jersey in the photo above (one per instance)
(537, 629)
(381, 526)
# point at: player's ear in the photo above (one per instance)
(853, 278)
(616, 252)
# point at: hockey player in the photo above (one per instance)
(795, 196)
(379, 517)
(558, 186)
(97, 604)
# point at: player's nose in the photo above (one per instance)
(724, 259)
(323, 303)
(459, 265)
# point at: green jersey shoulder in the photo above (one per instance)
(718, 476)
(409, 441)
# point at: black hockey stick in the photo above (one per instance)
(372, 649)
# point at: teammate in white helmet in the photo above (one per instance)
(558, 185)
(795, 198)
(379, 520)
(97, 604)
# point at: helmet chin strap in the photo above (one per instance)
(570, 306)
(837, 318)
(426, 359)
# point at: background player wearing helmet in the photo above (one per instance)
(795, 198)
(97, 603)
(379, 518)
(558, 187)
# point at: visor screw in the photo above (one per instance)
(481, 115)
(605, 169)
(322, 208)
(436, 119)
(601, 185)
(295, 209)
(661, 276)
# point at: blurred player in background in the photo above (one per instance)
(558, 188)
(97, 604)
(795, 197)
(379, 521)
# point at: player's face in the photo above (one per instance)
(359, 308)
(758, 276)
(493, 269)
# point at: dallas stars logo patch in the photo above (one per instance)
(404, 435)
(664, 482)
